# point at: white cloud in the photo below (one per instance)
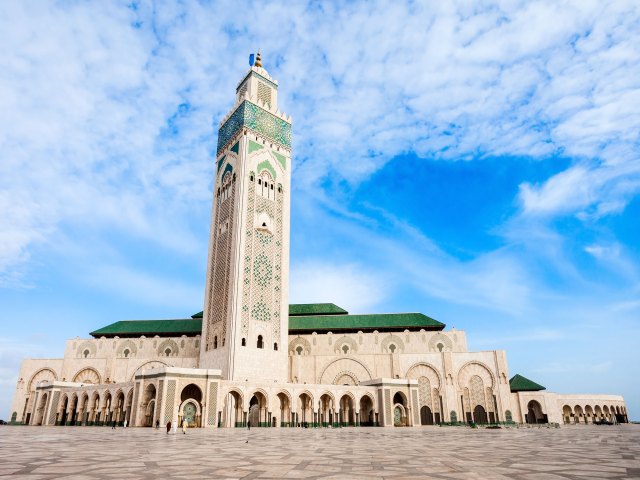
(92, 101)
(352, 287)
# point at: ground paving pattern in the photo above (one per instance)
(586, 452)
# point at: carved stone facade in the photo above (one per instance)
(251, 366)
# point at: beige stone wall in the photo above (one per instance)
(92, 361)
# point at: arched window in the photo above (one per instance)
(244, 342)
(266, 187)
(275, 346)
(345, 349)
(126, 353)
(392, 348)
(440, 347)
(299, 350)
(167, 352)
(86, 353)
(260, 342)
(215, 342)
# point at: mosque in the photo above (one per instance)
(251, 357)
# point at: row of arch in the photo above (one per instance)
(304, 409)
(85, 408)
(591, 414)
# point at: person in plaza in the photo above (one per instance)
(184, 427)
(113, 425)
(125, 423)
(157, 424)
(168, 427)
(249, 425)
(175, 427)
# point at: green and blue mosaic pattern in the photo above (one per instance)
(254, 118)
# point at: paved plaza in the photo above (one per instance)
(350, 453)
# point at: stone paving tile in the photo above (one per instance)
(573, 452)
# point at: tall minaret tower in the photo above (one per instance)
(246, 309)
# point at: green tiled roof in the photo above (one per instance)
(297, 309)
(518, 383)
(136, 328)
(383, 321)
(326, 317)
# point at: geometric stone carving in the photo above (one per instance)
(87, 375)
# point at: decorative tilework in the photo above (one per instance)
(281, 158)
(252, 117)
(171, 400)
(253, 146)
(476, 392)
(387, 404)
(221, 162)
(54, 408)
(415, 408)
(218, 294)
(213, 397)
(424, 390)
(236, 148)
(159, 397)
(265, 165)
(228, 168)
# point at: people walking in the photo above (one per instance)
(168, 427)
(249, 425)
(184, 427)
(157, 424)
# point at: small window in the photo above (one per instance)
(275, 346)
(345, 349)
(299, 350)
(126, 353)
(223, 341)
(392, 348)
(272, 186)
(215, 342)
(86, 353)
(167, 352)
(244, 342)
(259, 181)
(440, 347)
(279, 188)
(260, 342)
(251, 177)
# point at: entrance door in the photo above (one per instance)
(479, 414)
(426, 417)
(189, 414)
(254, 415)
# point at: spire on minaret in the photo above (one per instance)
(258, 60)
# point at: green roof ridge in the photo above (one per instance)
(518, 383)
(179, 326)
(297, 309)
(363, 322)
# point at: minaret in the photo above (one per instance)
(246, 310)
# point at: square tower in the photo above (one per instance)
(246, 310)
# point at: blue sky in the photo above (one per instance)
(475, 161)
